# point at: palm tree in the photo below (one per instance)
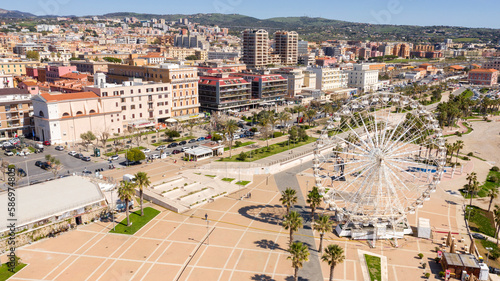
(288, 198)
(310, 113)
(229, 128)
(314, 200)
(496, 217)
(126, 192)
(471, 188)
(292, 222)
(458, 145)
(264, 123)
(299, 253)
(283, 117)
(322, 225)
(334, 254)
(142, 181)
(493, 193)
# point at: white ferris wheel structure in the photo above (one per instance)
(388, 157)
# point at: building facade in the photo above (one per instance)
(255, 48)
(363, 78)
(90, 66)
(492, 64)
(329, 78)
(286, 46)
(16, 113)
(224, 92)
(267, 87)
(483, 77)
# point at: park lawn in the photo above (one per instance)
(137, 222)
(374, 267)
(174, 140)
(228, 179)
(468, 94)
(123, 151)
(464, 40)
(487, 185)
(211, 176)
(494, 253)
(481, 221)
(243, 183)
(6, 274)
(242, 145)
(262, 152)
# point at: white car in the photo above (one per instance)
(235, 137)
(155, 156)
(146, 150)
(72, 153)
(114, 157)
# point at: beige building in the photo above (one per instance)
(286, 46)
(255, 48)
(15, 113)
(17, 68)
(329, 78)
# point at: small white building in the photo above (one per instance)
(424, 228)
(363, 78)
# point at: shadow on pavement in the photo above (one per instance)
(268, 244)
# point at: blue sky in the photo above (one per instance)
(476, 13)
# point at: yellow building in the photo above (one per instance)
(17, 68)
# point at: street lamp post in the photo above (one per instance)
(27, 172)
(487, 257)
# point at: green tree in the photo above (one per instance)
(323, 224)
(293, 134)
(334, 255)
(172, 134)
(284, 117)
(472, 186)
(310, 114)
(288, 198)
(33, 55)
(458, 146)
(55, 165)
(135, 154)
(126, 192)
(192, 57)
(292, 222)
(299, 253)
(492, 193)
(314, 200)
(142, 181)
(302, 134)
(111, 59)
(87, 138)
(230, 126)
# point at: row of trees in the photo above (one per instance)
(292, 221)
(126, 191)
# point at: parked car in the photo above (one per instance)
(59, 147)
(45, 165)
(21, 172)
(146, 150)
(114, 157)
(86, 158)
(200, 139)
(38, 163)
(208, 137)
(478, 236)
(46, 143)
(155, 156)
(86, 172)
(78, 155)
(6, 143)
(9, 153)
(183, 149)
(182, 142)
(494, 270)
(176, 151)
(166, 153)
(194, 146)
(23, 153)
(192, 140)
(161, 147)
(236, 137)
(72, 153)
(174, 144)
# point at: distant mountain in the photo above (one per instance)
(15, 14)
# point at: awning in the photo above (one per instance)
(142, 124)
(171, 120)
(198, 151)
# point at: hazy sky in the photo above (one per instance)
(477, 13)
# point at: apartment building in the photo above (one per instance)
(23, 48)
(6, 80)
(295, 77)
(90, 66)
(492, 64)
(329, 78)
(286, 46)
(184, 82)
(363, 78)
(484, 77)
(55, 72)
(17, 68)
(16, 113)
(223, 92)
(255, 48)
(266, 87)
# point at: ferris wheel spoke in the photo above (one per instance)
(358, 136)
(401, 121)
(401, 136)
(402, 170)
(367, 132)
(393, 174)
(405, 143)
(361, 190)
(363, 171)
(352, 144)
(403, 152)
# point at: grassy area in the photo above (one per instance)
(123, 151)
(468, 94)
(6, 274)
(242, 145)
(494, 253)
(406, 60)
(137, 222)
(174, 140)
(374, 268)
(210, 176)
(228, 179)
(243, 183)
(492, 181)
(481, 221)
(464, 40)
(264, 152)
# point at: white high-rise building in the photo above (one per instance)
(363, 78)
(329, 78)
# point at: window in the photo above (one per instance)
(116, 104)
(131, 91)
(104, 94)
(159, 96)
(161, 112)
(123, 99)
(139, 98)
(140, 105)
(122, 92)
(131, 99)
(140, 114)
(79, 113)
(139, 91)
(92, 111)
(124, 118)
(124, 108)
(132, 106)
(40, 113)
(133, 116)
(65, 114)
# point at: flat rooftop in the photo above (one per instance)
(43, 200)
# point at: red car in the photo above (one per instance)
(208, 137)
(176, 151)
(46, 143)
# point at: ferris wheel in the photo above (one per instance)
(387, 156)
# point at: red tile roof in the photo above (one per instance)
(483, 70)
(71, 96)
